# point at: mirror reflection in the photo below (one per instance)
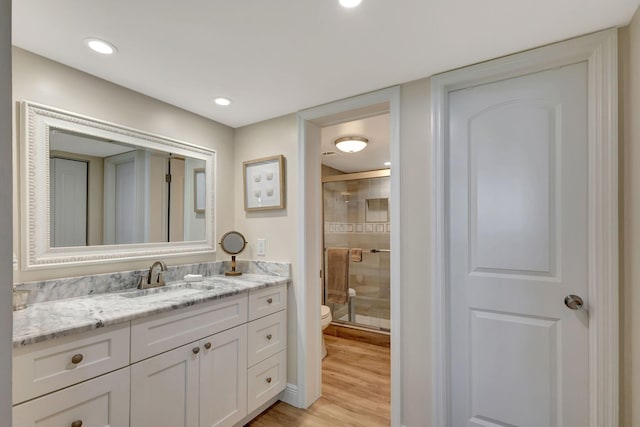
(107, 192)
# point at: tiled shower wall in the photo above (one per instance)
(346, 226)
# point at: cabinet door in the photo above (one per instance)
(100, 402)
(164, 389)
(223, 376)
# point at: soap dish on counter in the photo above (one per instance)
(193, 278)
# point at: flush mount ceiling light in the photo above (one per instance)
(387, 163)
(101, 46)
(350, 3)
(351, 144)
(222, 101)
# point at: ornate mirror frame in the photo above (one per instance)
(36, 251)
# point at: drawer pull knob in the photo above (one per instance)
(207, 345)
(269, 337)
(77, 423)
(196, 350)
(77, 358)
(269, 380)
(270, 300)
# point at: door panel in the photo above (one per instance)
(68, 202)
(514, 359)
(510, 156)
(164, 389)
(516, 202)
(223, 376)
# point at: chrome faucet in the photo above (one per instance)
(155, 277)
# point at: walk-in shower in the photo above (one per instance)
(356, 216)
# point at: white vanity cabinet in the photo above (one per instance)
(214, 364)
(78, 363)
(202, 383)
(100, 402)
(267, 360)
(199, 384)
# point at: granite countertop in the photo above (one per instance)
(48, 320)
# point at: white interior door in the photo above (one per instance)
(68, 202)
(517, 246)
(125, 198)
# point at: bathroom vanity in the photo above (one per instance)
(211, 353)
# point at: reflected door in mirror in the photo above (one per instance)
(68, 202)
(130, 194)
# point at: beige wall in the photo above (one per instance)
(629, 85)
(6, 315)
(278, 227)
(41, 80)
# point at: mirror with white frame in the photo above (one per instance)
(95, 192)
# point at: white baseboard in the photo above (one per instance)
(290, 395)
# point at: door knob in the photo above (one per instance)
(574, 302)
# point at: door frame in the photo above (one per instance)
(309, 241)
(599, 50)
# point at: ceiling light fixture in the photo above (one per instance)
(351, 144)
(387, 163)
(350, 3)
(101, 46)
(222, 101)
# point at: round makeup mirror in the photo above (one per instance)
(233, 243)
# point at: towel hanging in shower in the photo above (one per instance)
(337, 275)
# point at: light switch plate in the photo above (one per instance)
(261, 247)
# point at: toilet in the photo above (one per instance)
(325, 321)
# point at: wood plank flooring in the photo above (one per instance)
(356, 390)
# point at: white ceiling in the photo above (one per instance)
(375, 129)
(274, 57)
(88, 146)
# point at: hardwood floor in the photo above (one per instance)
(356, 390)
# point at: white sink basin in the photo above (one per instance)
(163, 292)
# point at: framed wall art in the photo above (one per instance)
(264, 183)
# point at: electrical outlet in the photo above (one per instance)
(261, 247)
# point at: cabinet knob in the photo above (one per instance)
(270, 300)
(269, 337)
(77, 423)
(207, 345)
(196, 350)
(77, 358)
(269, 380)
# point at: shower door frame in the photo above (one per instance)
(354, 176)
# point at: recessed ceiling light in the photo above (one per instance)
(222, 101)
(350, 3)
(387, 163)
(101, 46)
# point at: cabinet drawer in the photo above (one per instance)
(51, 365)
(266, 380)
(267, 301)
(267, 336)
(167, 331)
(100, 402)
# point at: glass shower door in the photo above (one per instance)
(356, 216)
